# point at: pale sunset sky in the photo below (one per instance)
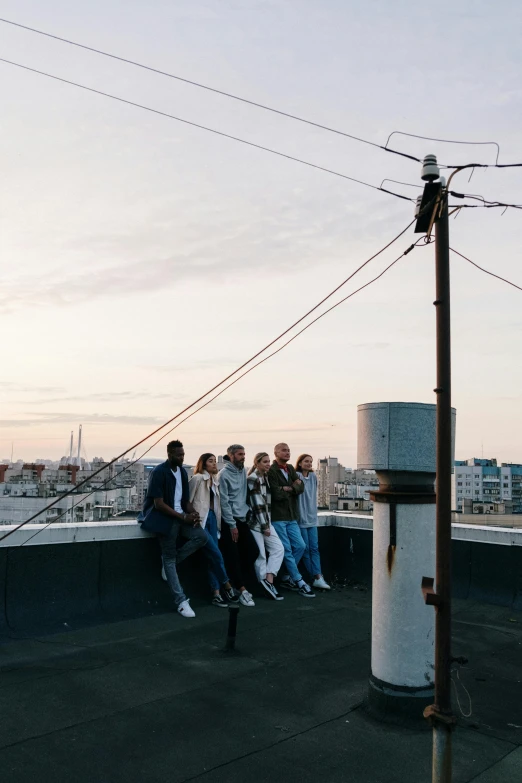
(143, 259)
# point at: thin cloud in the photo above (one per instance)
(81, 418)
(201, 364)
(108, 397)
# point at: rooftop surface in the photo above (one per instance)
(156, 699)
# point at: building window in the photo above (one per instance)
(468, 483)
(459, 483)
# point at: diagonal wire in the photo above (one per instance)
(258, 105)
(486, 270)
(224, 380)
(203, 127)
(193, 413)
(203, 86)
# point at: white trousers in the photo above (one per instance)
(268, 544)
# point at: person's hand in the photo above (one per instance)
(287, 489)
(234, 532)
(297, 482)
(266, 532)
(192, 518)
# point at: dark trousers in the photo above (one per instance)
(239, 556)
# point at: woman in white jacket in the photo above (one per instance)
(204, 496)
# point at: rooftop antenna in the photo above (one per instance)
(79, 445)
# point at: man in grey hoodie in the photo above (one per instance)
(234, 511)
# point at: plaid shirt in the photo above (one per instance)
(259, 501)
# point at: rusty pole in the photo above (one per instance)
(441, 713)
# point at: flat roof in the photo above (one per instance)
(156, 699)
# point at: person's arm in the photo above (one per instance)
(193, 486)
(279, 491)
(224, 496)
(297, 483)
(163, 508)
(157, 490)
(258, 506)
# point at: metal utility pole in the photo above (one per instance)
(440, 713)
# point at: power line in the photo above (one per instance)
(485, 202)
(203, 127)
(208, 402)
(486, 270)
(282, 113)
(441, 141)
(223, 381)
(208, 88)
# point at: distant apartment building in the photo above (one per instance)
(344, 489)
(482, 486)
(27, 488)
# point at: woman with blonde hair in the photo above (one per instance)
(308, 520)
(265, 536)
(204, 496)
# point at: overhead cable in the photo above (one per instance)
(207, 87)
(208, 402)
(224, 380)
(203, 127)
(482, 269)
(441, 141)
(282, 113)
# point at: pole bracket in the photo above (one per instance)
(434, 716)
(431, 598)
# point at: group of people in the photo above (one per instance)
(268, 517)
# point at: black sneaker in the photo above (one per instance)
(306, 591)
(289, 584)
(217, 600)
(271, 590)
(231, 595)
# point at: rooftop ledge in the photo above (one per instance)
(71, 533)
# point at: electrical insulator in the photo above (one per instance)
(430, 169)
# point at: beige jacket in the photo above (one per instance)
(199, 496)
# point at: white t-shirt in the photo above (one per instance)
(179, 490)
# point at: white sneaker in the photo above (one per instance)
(246, 599)
(321, 584)
(185, 609)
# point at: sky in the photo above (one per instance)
(142, 260)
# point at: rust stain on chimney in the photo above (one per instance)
(390, 558)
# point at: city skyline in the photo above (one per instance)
(144, 260)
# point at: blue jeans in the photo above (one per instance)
(311, 557)
(217, 576)
(293, 544)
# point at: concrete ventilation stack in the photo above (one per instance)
(397, 440)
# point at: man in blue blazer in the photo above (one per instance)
(168, 512)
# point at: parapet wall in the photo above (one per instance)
(75, 575)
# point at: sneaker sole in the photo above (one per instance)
(222, 606)
(307, 595)
(270, 593)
